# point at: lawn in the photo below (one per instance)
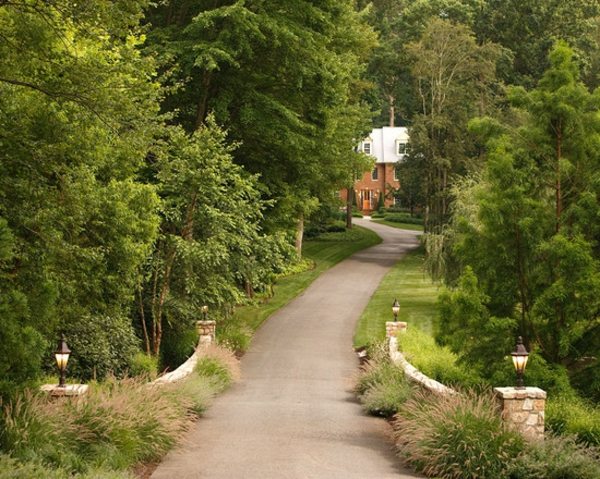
(408, 282)
(402, 226)
(325, 251)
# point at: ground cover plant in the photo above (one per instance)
(118, 424)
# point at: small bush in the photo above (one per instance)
(357, 214)
(336, 227)
(144, 365)
(12, 469)
(382, 386)
(377, 215)
(556, 458)
(569, 414)
(403, 218)
(219, 365)
(455, 437)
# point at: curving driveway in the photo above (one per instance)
(294, 415)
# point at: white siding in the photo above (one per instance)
(384, 143)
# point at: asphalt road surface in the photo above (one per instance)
(294, 415)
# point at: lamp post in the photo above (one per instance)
(62, 358)
(519, 357)
(396, 309)
(204, 312)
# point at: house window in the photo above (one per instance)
(367, 147)
(396, 175)
(401, 148)
(374, 174)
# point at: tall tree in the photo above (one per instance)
(77, 113)
(527, 231)
(280, 76)
(454, 77)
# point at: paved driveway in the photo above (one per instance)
(293, 415)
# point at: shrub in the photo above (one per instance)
(452, 437)
(377, 214)
(219, 365)
(101, 345)
(569, 414)
(403, 218)
(382, 386)
(556, 458)
(336, 227)
(144, 365)
(357, 214)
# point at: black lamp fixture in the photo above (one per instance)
(396, 309)
(519, 357)
(205, 312)
(62, 358)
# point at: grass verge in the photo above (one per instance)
(417, 295)
(402, 226)
(324, 251)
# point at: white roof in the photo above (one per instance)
(384, 143)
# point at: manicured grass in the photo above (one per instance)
(402, 226)
(417, 295)
(325, 251)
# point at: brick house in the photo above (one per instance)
(387, 145)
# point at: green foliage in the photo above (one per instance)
(143, 365)
(382, 386)
(567, 414)
(523, 236)
(437, 362)
(556, 458)
(459, 436)
(178, 343)
(402, 218)
(12, 469)
(77, 115)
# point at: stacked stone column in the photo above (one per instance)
(206, 330)
(523, 410)
(392, 327)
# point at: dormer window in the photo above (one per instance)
(401, 148)
(366, 147)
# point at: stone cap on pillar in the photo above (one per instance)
(526, 393)
(70, 390)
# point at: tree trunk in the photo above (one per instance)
(559, 206)
(299, 234)
(202, 108)
(392, 110)
(349, 207)
(143, 320)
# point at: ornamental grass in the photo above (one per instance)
(455, 437)
(117, 425)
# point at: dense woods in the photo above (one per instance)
(157, 157)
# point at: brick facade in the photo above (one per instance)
(367, 189)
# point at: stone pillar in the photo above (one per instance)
(523, 410)
(206, 330)
(392, 327)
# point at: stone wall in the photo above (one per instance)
(412, 373)
(206, 331)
